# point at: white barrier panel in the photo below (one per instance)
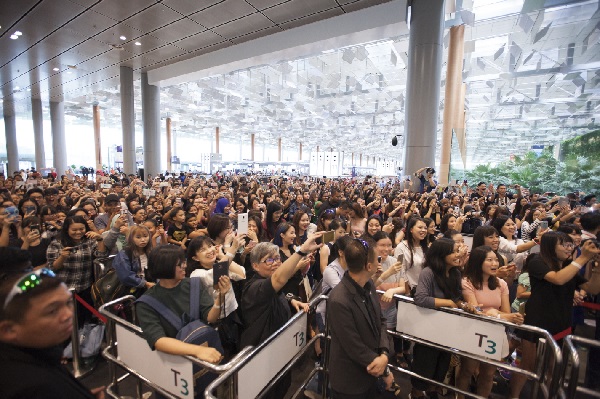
(172, 373)
(464, 333)
(261, 369)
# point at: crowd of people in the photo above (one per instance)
(534, 256)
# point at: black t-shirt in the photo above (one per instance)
(264, 311)
(38, 253)
(550, 306)
(179, 234)
(293, 284)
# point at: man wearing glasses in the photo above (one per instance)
(265, 308)
(359, 341)
(36, 318)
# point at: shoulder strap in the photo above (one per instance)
(194, 298)
(162, 310)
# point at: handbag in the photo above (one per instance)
(108, 288)
(90, 340)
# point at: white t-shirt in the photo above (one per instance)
(206, 278)
(410, 271)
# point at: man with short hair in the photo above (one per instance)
(360, 345)
(479, 191)
(426, 182)
(111, 203)
(36, 318)
(51, 196)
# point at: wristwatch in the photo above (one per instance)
(289, 296)
(299, 252)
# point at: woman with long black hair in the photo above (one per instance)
(554, 277)
(439, 286)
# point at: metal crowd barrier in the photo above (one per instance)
(79, 369)
(476, 337)
(168, 374)
(571, 385)
(261, 368)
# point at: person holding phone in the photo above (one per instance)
(33, 242)
(71, 257)
(203, 256)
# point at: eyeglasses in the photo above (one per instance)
(27, 283)
(270, 261)
(568, 245)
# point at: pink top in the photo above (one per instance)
(487, 298)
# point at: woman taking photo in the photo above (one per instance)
(71, 256)
(201, 256)
(273, 218)
(554, 277)
(439, 286)
(481, 287)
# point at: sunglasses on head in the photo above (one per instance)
(27, 283)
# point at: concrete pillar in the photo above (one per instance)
(452, 105)
(10, 131)
(279, 149)
(97, 142)
(425, 52)
(360, 164)
(217, 139)
(300, 152)
(151, 121)
(37, 117)
(128, 120)
(252, 138)
(59, 145)
(169, 139)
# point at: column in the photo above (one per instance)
(169, 139)
(360, 163)
(252, 138)
(97, 143)
(151, 123)
(299, 152)
(425, 53)
(279, 149)
(217, 139)
(128, 120)
(10, 131)
(38, 133)
(452, 105)
(59, 145)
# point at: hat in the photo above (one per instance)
(111, 198)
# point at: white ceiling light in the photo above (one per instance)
(138, 43)
(18, 33)
(122, 37)
(55, 69)
(14, 37)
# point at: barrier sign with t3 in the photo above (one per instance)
(170, 372)
(452, 330)
(261, 369)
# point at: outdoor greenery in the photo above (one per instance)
(578, 169)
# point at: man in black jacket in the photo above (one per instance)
(359, 341)
(36, 318)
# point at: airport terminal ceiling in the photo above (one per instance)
(532, 70)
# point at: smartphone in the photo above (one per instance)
(400, 257)
(12, 211)
(220, 269)
(522, 308)
(35, 227)
(563, 201)
(123, 208)
(329, 236)
(544, 225)
(242, 226)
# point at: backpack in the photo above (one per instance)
(190, 329)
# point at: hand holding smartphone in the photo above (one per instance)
(220, 269)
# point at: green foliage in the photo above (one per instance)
(587, 146)
(543, 173)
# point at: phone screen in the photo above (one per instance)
(242, 227)
(329, 236)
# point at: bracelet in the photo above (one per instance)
(217, 306)
(230, 255)
(577, 265)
